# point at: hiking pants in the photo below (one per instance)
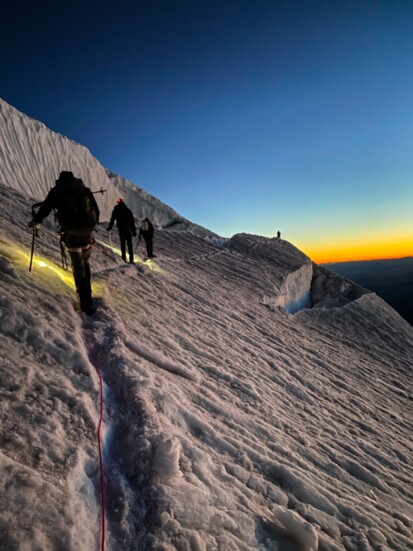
(126, 238)
(148, 242)
(80, 261)
(79, 247)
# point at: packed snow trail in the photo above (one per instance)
(92, 359)
(126, 460)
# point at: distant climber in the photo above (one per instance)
(77, 214)
(126, 227)
(278, 235)
(147, 232)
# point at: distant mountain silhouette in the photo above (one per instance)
(391, 279)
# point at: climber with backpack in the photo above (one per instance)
(77, 214)
(126, 227)
(147, 232)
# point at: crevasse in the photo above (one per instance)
(294, 294)
(313, 286)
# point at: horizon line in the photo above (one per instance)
(405, 257)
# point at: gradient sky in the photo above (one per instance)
(243, 116)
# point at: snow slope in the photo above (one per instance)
(32, 157)
(229, 424)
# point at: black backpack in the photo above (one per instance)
(76, 208)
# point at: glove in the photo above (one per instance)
(108, 229)
(32, 224)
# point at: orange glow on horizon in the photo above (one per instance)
(347, 252)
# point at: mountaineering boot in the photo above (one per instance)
(84, 292)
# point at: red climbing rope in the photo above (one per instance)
(102, 479)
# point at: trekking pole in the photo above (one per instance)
(137, 244)
(110, 239)
(33, 240)
(35, 230)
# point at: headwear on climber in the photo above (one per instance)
(65, 175)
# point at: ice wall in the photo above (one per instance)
(32, 157)
(294, 294)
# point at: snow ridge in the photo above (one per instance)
(32, 157)
(141, 203)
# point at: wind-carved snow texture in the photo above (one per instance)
(32, 157)
(227, 424)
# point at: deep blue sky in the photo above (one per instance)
(243, 116)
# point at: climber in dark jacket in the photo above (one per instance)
(77, 214)
(147, 232)
(126, 227)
